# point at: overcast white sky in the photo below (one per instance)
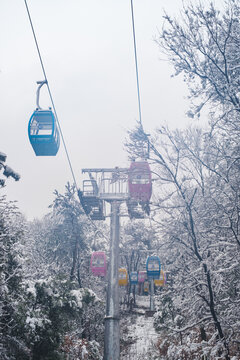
(87, 50)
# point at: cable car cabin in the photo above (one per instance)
(153, 267)
(98, 263)
(140, 181)
(43, 133)
(122, 277)
(142, 276)
(133, 278)
(161, 280)
(146, 287)
(92, 205)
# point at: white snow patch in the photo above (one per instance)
(33, 322)
(77, 294)
(84, 351)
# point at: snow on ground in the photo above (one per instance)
(138, 334)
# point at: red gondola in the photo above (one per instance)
(140, 181)
(140, 189)
(98, 263)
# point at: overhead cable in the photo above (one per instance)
(50, 94)
(136, 65)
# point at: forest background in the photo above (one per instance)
(53, 308)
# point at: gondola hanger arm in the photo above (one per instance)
(40, 83)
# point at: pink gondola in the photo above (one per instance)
(142, 276)
(98, 263)
(140, 181)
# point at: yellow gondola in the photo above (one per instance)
(161, 280)
(146, 286)
(122, 277)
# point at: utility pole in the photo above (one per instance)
(152, 305)
(112, 332)
(114, 190)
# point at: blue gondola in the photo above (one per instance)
(153, 267)
(134, 278)
(42, 130)
(43, 133)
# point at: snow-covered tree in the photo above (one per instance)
(62, 304)
(7, 170)
(12, 228)
(195, 213)
(196, 209)
(203, 45)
